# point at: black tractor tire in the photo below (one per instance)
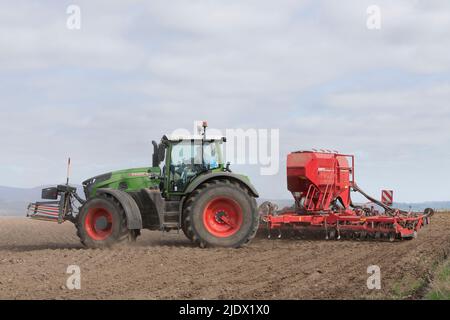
(102, 223)
(216, 200)
(185, 227)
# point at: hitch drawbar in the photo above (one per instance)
(56, 210)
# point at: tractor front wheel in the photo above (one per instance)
(102, 223)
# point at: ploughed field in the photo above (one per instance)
(35, 255)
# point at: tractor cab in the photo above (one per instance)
(183, 158)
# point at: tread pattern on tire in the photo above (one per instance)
(125, 233)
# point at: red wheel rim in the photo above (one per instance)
(222, 217)
(98, 223)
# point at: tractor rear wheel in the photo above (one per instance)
(102, 223)
(221, 213)
(186, 230)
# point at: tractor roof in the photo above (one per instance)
(177, 138)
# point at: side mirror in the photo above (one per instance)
(161, 153)
(155, 154)
(158, 153)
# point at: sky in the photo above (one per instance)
(136, 70)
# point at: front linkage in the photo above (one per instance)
(60, 210)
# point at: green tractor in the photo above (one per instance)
(188, 187)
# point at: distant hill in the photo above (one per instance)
(437, 205)
(14, 201)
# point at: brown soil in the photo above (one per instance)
(34, 256)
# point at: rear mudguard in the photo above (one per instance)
(134, 219)
(222, 175)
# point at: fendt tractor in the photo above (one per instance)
(189, 187)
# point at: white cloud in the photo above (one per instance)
(312, 69)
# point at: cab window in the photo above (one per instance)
(187, 163)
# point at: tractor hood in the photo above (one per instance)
(126, 180)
